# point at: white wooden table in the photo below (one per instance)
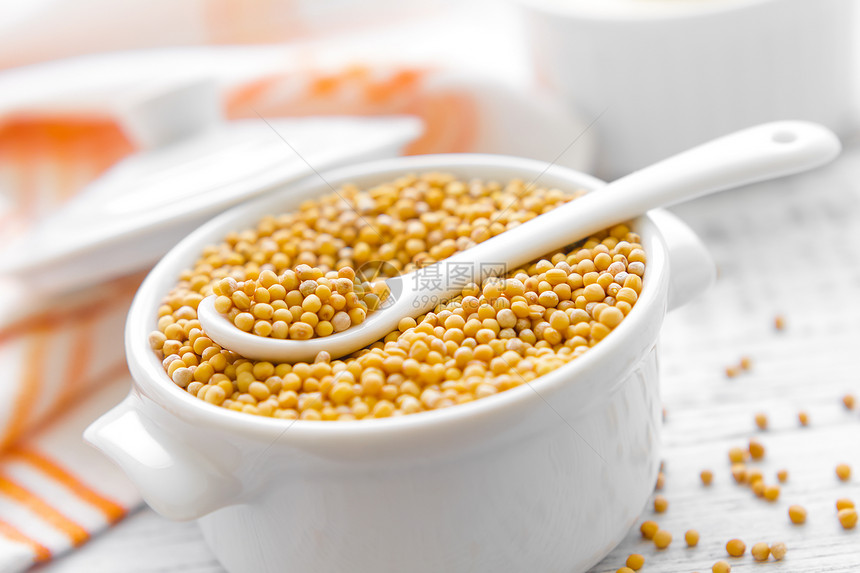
(790, 248)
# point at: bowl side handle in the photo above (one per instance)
(173, 478)
(691, 267)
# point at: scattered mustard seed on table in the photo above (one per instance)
(691, 537)
(736, 547)
(797, 514)
(760, 551)
(662, 539)
(635, 561)
(778, 550)
(848, 517)
(844, 503)
(756, 450)
(648, 529)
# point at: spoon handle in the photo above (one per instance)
(755, 154)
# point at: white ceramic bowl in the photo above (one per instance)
(544, 477)
(668, 74)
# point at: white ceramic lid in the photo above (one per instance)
(193, 166)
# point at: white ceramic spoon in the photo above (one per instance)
(762, 152)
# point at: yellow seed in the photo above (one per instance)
(611, 317)
(803, 418)
(843, 472)
(746, 363)
(661, 504)
(635, 561)
(782, 476)
(797, 514)
(223, 304)
(848, 401)
(756, 450)
(263, 328)
(848, 517)
(761, 421)
(779, 322)
(691, 537)
(215, 395)
(707, 477)
(739, 473)
(244, 321)
(624, 570)
(771, 492)
(844, 503)
(778, 550)
(648, 529)
(737, 455)
(736, 547)
(662, 539)
(760, 551)
(759, 488)
(721, 567)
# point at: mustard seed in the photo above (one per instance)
(691, 537)
(843, 472)
(662, 539)
(661, 504)
(648, 529)
(756, 450)
(797, 514)
(760, 551)
(847, 517)
(635, 561)
(721, 567)
(736, 547)
(707, 477)
(844, 503)
(737, 455)
(761, 421)
(771, 492)
(778, 550)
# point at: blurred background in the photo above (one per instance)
(124, 125)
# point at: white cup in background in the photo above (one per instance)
(669, 74)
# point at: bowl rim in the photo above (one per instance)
(151, 380)
(638, 10)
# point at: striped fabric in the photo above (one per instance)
(63, 365)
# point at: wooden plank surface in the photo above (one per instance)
(791, 248)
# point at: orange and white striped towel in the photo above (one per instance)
(63, 365)
(55, 493)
